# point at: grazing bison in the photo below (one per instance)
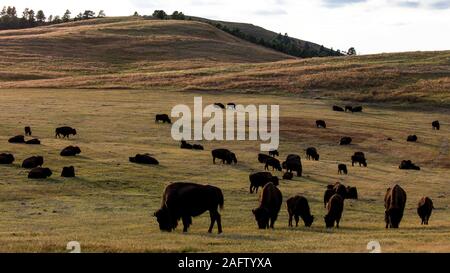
(338, 108)
(293, 163)
(144, 159)
(411, 138)
(436, 125)
(394, 203)
(321, 124)
(342, 169)
(33, 162)
(70, 151)
(17, 139)
(408, 165)
(270, 204)
(288, 176)
(424, 209)
(345, 141)
(220, 105)
(185, 145)
(335, 206)
(311, 153)
(274, 153)
(184, 200)
(348, 108)
(260, 179)
(27, 130)
(197, 147)
(357, 109)
(65, 131)
(6, 158)
(225, 155)
(162, 117)
(39, 173)
(274, 163)
(352, 193)
(327, 194)
(231, 105)
(68, 172)
(33, 141)
(360, 158)
(262, 158)
(297, 207)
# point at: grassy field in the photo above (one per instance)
(109, 206)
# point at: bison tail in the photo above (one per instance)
(220, 197)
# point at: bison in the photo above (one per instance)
(360, 158)
(39, 173)
(327, 194)
(352, 193)
(33, 162)
(321, 124)
(68, 172)
(33, 141)
(144, 159)
(262, 158)
(342, 169)
(70, 151)
(408, 165)
(65, 131)
(348, 108)
(267, 212)
(17, 139)
(184, 200)
(274, 153)
(197, 147)
(345, 141)
(225, 155)
(411, 138)
(297, 207)
(288, 176)
(311, 153)
(335, 206)
(357, 109)
(6, 158)
(436, 125)
(260, 179)
(27, 130)
(338, 108)
(162, 117)
(424, 209)
(394, 203)
(185, 145)
(293, 163)
(220, 105)
(274, 163)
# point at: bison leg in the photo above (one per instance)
(186, 223)
(212, 215)
(296, 220)
(219, 222)
(337, 222)
(290, 219)
(251, 188)
(272, 221)
(386, 219)
(214, 160)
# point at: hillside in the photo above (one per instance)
(135, 53)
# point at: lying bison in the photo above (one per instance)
(293, 163)
(274, 163)
(185, 145)
(424, 209)
(162, 117)
(338, 108)
(267, 212)
(6, 158)
(65, 131)
(298, 207)
(360, 158)
(260, 179)
(321, 124)
(33, 162)
(225, 155)
(186, 200)
(70, 151)
(345, 141)
(33, 141)
(342, 169)
(197, 147)
(311, 153)
(394, 203)
(411, 138)
(27, 130)
(357, 109)
(39, 173)
(408, 165)
(436, 125)
(68, 172)
(288, 176)
(334, 207)
(17, 139)
(144, 159)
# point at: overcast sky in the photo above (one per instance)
(371, 26)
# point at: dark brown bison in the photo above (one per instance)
(342, 169)
(411, 138)
(274, 163)
(70, 151)
(357, 109)
(297, 207)
(262, 158)
(220, 105)
(436, 125)
(68, 172)
(424, 209)
(33, 162)
(327, 195)
(348, 108)
(408, 165)
(274, 153)
(321, 124)
(17, 139)
(267, 212)
(27, 130)
(39, 173)
(352, 193)
(260, 179)
(338, 108)
(293, 163)
(225, 155)
(345, 141)
(360, 158)
(335, 206)
(65, 131)
(288, 176)
(197, 147)
(33, 141)
(394, 203)
(144, 159)
(311, 153)
(184, 200)
(185, 145)
(162, 117)
(6, 158)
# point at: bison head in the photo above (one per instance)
(39, 160)
(233, 158)
(308, 220)
(73, 132)
(329, 221)
(47, 172)
(316, 157)
(261, 217)
(164, 220)
(395, 216)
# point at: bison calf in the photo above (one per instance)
(267, 212)
(298, 207)
(424, 209)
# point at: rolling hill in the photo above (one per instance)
(137, 53)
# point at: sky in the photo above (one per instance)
(371, 26)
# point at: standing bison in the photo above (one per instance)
(311, 153)
(321, 124)
(225, 155)
(274, 153)
(27, 130)
(260, 179)
(65, 131)
(342, 169)
(334, 207)
(394, 203)
(267, 212)
(274, 163)
(184, 200)
(293, 163)
(162, 117)
(436, 125)
(360, 158)
(412, 138)
(262, 158)
(297, 207)
(424, 209)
